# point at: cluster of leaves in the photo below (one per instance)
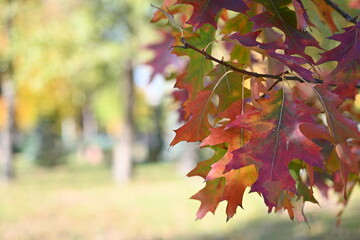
(277, 119)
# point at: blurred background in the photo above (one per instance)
(85, 126)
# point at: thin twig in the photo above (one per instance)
(274, 84)
(341, 12)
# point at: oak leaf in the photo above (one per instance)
(163, 56)
(205, 11)
(347, 72)
(275, 141)
(324, 11)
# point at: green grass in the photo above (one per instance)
(82, 203)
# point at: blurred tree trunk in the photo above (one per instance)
(156, 137)
(89, 123)
(7, 89)
(122, 152)
(68, 133)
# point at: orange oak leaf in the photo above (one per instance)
(236, 181)
(324, 11)
(197, 127)
(210, 196)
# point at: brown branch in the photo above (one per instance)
(341, 12)
(278, 77)
(236, 69)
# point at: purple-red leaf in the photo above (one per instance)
(347, 73)
(275, 141)
(163, 56)
(292, 62)
(341, 129)
(295, 40)
(205, 11)
(349, 41)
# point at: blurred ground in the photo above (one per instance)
(82, 203)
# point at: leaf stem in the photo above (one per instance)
(341, 11)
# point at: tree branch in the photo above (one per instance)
(341, 12)
(236, 69)
(278, 77)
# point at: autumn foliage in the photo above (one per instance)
(270, 93)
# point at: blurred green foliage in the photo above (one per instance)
(70, 54)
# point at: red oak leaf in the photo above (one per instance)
(270, 35)
(275, 141)
(236, 181)
(302, 18)
(292, 62)
(341, 130)
(295, 40)
(349, 41)
(219, 136)
(205, 11)
(257, 89)
(340, 127)
(234, 137)
(347, 73)
(339, 133)
(197, 127)
(267, 144)
(236, 109)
